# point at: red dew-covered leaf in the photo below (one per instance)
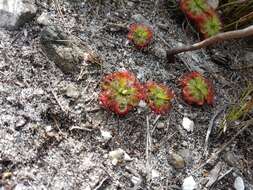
(158, 97)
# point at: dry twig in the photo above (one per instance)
(148, 148)
(65, 110)
(213, 40)
(209, 130)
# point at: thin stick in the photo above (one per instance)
(209, 130)
(101, 183)
(56, 2)
(148, 147)
(224, 175)
(212, 40)
(59, 103)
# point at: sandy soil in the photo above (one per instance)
(51, 141)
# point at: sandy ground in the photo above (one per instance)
(51, 141)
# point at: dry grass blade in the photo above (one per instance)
(148, 147)
(236, 13)
(209, 130)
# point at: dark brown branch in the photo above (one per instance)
(212, 40)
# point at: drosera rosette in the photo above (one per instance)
(210, 25)
(195, 9)
(140, 35)
(121, 92)
(158, 97)
(196, 89)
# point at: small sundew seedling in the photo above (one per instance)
(140, 35)
(196, 89)
(158, 97)
(121, 92)
(195, 9)
(210, 25)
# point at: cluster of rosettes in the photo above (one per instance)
(196, 89)
(203, 15)
(121, 92)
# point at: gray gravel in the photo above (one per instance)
(52, 140)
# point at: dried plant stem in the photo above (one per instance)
(212, 40)
(148, 149)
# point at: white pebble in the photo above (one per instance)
(48, 128)
(135, 180)
(43, 19)
(119, 155)
(106, 135)
(188, 124)
(189, 183)
(154, 174)
(239, 184)
(142, 104)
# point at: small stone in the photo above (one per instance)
(231, 159)
(154, 174)
(106, 135)
(130, 3)
(118, 156)
(138, 18)
(43, 19)
(15, 13)
(189, 183)
(176, 161)
(127, 157)
(187, 155)
(180, 106)
(20, 186)
(184, 143)
(239, 184)
(20, 123)
(6, 175)
(160, 125)
(38, 91)
(188, 124)
(48, 128)
(142, 104)
(62, 49)
(136, 180)
(91, 58)
(72, 92)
